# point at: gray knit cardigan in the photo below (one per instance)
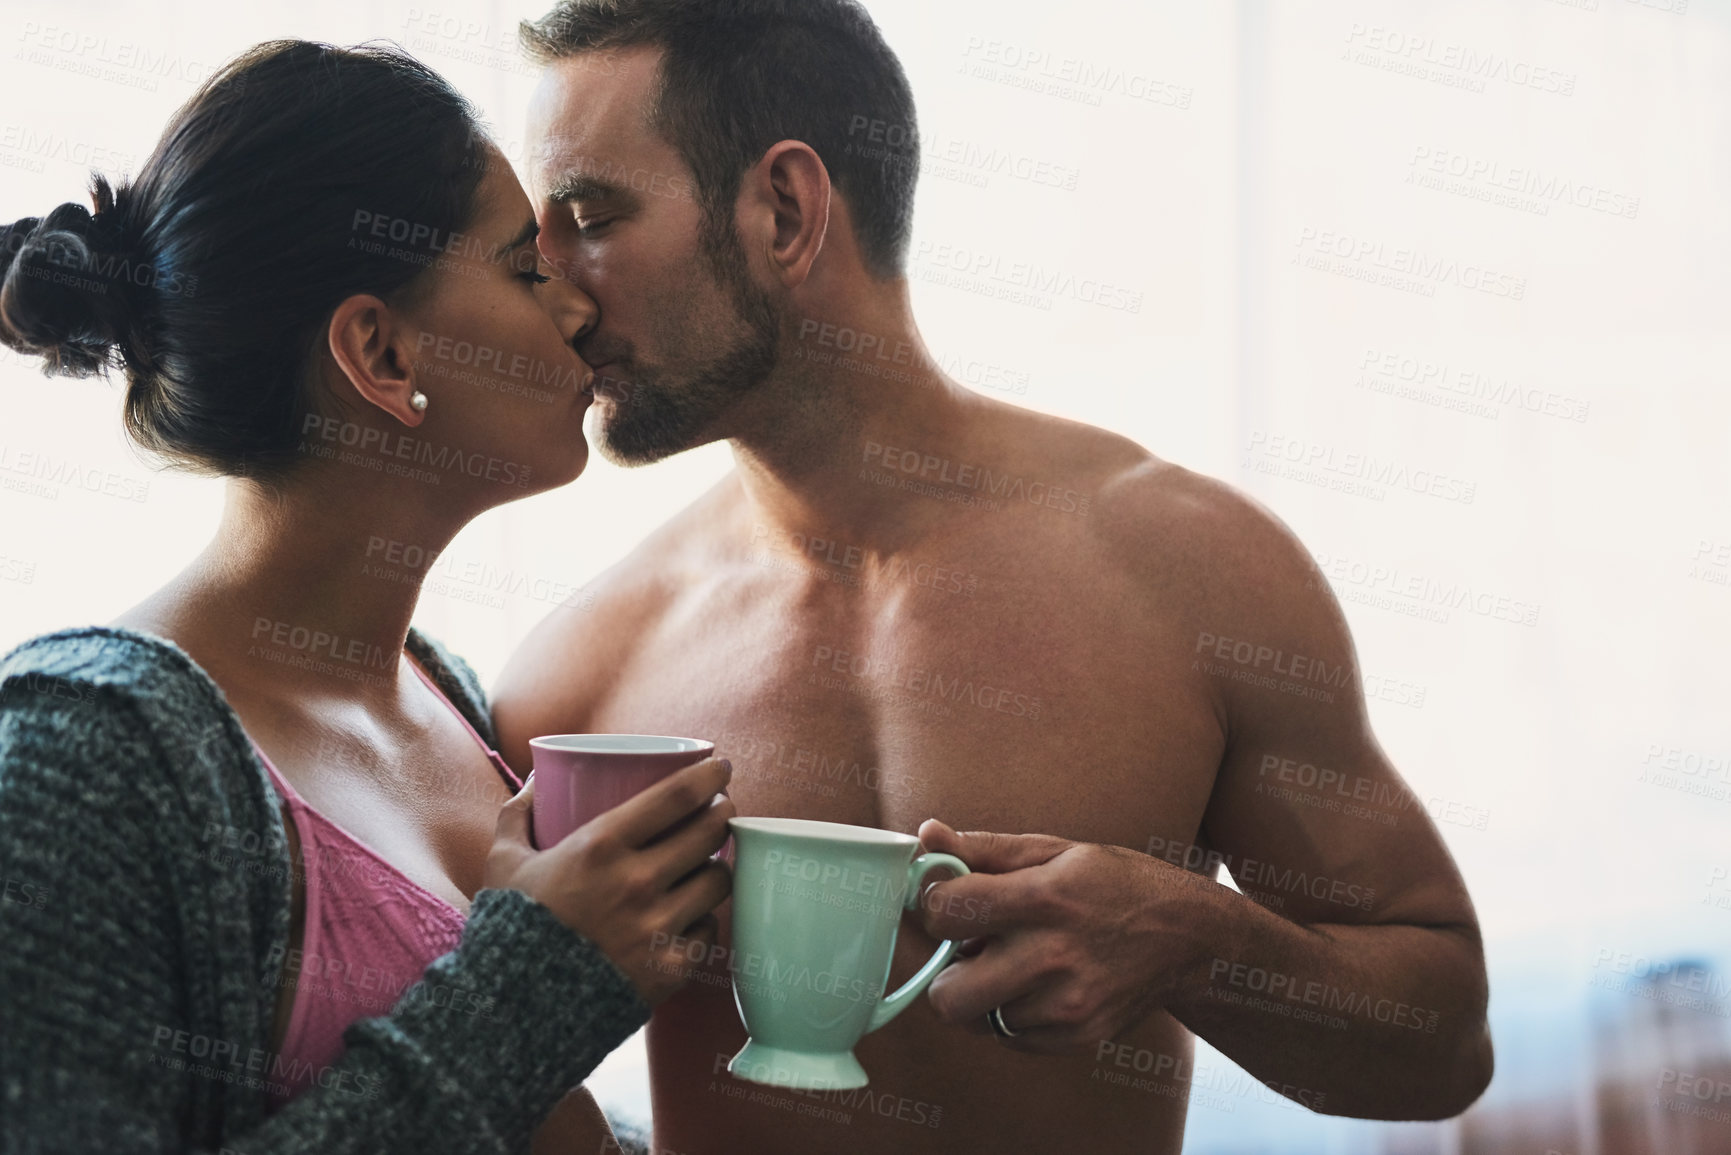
(144, 914)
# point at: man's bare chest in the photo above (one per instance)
(1063, 722)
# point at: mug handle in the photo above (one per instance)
(895, 1004)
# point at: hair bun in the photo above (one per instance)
(58, 294)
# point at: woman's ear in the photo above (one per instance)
(370, 343)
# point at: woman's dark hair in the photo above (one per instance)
(298, 175)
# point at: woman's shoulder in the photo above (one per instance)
(69, 693)
(142, 682)
(124, 728)
(105, 663)
(153, 674)
(100, 656)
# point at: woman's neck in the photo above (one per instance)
(310, 585)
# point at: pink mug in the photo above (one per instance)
(580, 776)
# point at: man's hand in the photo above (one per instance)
(1080, 943)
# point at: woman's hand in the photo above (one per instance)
(637, 881)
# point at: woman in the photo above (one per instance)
(238, 826)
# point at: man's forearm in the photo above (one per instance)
(1380, 1022)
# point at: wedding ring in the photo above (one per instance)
(996, 1018)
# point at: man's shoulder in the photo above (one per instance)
(1188, 530)
(1121, 476)
(1156, 520)
(1157, 497)
(580, 646)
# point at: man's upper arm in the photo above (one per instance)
(560, 677)
(551, 685)
(1307, 812)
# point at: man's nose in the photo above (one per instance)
(574, 310)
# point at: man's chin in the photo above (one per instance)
(633, 459)
(641, 422)
(630, 448)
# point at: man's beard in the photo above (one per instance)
(658, 417)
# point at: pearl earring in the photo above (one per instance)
(418, 401)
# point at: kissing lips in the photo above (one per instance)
(606, 387)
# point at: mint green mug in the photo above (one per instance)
(816, 906)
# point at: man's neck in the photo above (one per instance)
(853, 386)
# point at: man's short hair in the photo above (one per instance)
(739, 75)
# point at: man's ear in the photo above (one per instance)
(788, 191)
(371, 347)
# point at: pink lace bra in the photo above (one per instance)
(370, 932)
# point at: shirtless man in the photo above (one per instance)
(912, 602)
